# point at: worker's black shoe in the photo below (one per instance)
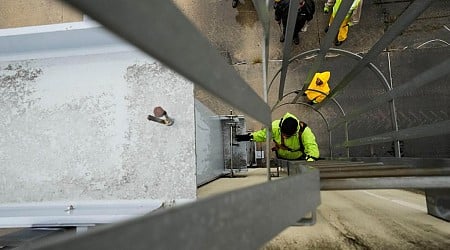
(326, 29)
(296, 40)
(235, 3)
(338, 43)
(282, 38)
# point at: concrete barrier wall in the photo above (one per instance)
(74, 127)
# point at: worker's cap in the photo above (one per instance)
(277, 0)
(289, 126)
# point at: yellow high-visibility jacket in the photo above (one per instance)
(337, 4)
(296, 147)
(324, 88)
(343, 29)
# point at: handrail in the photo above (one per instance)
(439, 128)
(204, 223)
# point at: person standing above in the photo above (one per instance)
(293, 139)
(343, 29)
(234, 3)
(305, 13)
(356, 15)
(318, 89)
(328, 5)
(281, 14)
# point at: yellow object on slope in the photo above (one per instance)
(317, 92)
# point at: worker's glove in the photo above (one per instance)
(309, 158)
(246, 137)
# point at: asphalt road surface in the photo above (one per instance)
(368, 219)
(357, 219)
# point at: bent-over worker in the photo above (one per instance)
(293, 139)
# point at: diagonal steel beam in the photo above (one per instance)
(408, 17)
(161, 30)
(263, 12)
(424, 78)
(325, 45)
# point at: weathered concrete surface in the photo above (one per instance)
(75, 128)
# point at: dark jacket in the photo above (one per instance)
(308, 10)
(282, 10)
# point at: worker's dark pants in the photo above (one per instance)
(299, 23)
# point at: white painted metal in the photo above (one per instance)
(73, 213)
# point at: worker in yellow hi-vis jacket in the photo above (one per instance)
(343, 29)
(293, 139)
(318, 89)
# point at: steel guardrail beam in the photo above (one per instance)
(409, 15)
(386, 183)
(438, 128)
(415, 162)
(386, 173)
(205, 223)
(358, 168)
(160, 29)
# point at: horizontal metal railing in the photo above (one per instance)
(395, 173)
(434, 182)
(242, 219)
(439, 128)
